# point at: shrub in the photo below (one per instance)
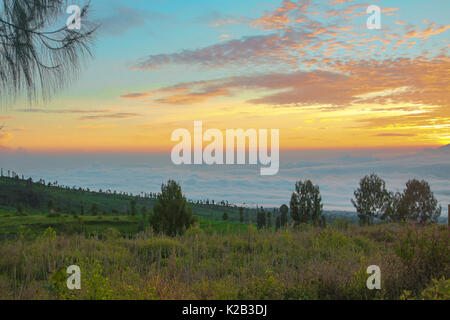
(160, 248)
(111, 233)
(425, 253)
(437, 290)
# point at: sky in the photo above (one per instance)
(310, 68)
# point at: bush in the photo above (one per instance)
(111, 234)
(437, 290)
(425, 253)
(156, 248)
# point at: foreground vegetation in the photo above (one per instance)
(301, 263)
(163, 246)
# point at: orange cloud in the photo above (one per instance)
(430, 31)
(193, 97)
(119, 115)
(135, 95)
(419, 80)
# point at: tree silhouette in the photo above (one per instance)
(306, 204)
(35, 55)
(277, 223)
(284, 209)
(372, 200)
(133, 208)
(417, 203)
(171, 214)
(260, 218)
(95, 209)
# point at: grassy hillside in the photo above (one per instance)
(34, 197)
(24, 207)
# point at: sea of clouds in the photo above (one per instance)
(337, 172)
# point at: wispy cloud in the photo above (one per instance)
(135, 95)
(61, 111)
(119, 115)
(97, 126)
(395, 135)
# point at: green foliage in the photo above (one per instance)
(284, 209)
(437, 290)
(266, 287)
(160, 248)
(372, 200)
(306, 204)
(425, 253)
(171, 213)
(49, 234)
(111, 233)
(301, 263)
(260, 218)
(133, 208)
(95, 209)
(341, 223)
(20, 211)
(416, 204)
(225, 216)
(94, 286)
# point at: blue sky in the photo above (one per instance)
(309, 68)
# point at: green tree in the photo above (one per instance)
(144, 212)
(171, 214)
(95, 209)
(284, 209)
(260, 218)
(241, 214)
(277, 223)
(133, 208)
(372, 200)
(306, 204)
(269, 219)
(417, 204)
(225, 216)
(51, 206)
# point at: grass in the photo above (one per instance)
(305, 263)
(35, 224)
